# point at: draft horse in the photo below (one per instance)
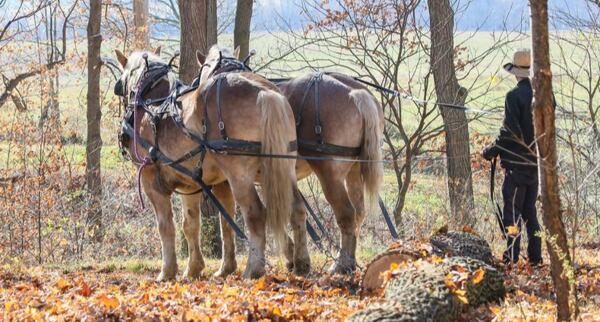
(336, 116)
(194, 129)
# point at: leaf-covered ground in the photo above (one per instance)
(98, 292)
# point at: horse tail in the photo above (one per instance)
(277, 174)
(372, 172)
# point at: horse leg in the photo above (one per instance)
(166, 228)
(228, 265)
(355, 185)
(191, 230)
(336, 195)
(301, 259)
(289, 254)
(254, 212)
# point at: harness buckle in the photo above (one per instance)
(318, 129)
(153, 152)
(204, 129)
(221, 125)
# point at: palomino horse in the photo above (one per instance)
(254, 112)
(337, 116)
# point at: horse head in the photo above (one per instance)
(143, 72)
(219, 60)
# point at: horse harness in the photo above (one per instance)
(171, 107)
(319, 145)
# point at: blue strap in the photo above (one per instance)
(313, 215)
(313, 234)
(388, 219)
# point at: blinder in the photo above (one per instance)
(119, 90)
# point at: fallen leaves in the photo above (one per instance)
(46, 295)
(108, 301)
(512, 230)
(478, 276)
(84, 289)
(129, 296)
(62, 284)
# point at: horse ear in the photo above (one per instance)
(236, 52)
(121, 58)
(157, 51)
(200, 58)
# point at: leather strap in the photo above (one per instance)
(194, 176)
(330, 149)
(498, 209)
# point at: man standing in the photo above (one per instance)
(517, 151)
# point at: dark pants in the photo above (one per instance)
(520, 193)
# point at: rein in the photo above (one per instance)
(497, 209)
(169, 105)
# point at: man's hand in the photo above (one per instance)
(490, 152)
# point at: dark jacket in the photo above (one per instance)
(515, 144)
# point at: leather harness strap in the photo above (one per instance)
(221, 124)
(329, 148)
(197, 177)
(319, 145)
(318, 128)
(497, 208)
(171, 106)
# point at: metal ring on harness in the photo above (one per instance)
(153, 153)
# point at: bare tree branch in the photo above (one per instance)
(59, 59)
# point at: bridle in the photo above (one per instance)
(227, 65)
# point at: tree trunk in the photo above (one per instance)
(241, 31)
(141, 32)
(198, 32)
(563, 275)
(456, 127)
(94, 114)
(211, 23)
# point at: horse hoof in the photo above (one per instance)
(164, 276)
(289, 266)
(192, 274)
(224, 272)
(302, 268)
(253, 274)
(342, 268)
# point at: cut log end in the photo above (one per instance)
(373, 278)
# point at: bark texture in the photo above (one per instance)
(458, 243)
(563, 275)
(141, 33)
(198, 20)
(94, 114)
(198, 32)
(422, 292)
(456, 127)
(241, 31)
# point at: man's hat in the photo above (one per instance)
(520, 64)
